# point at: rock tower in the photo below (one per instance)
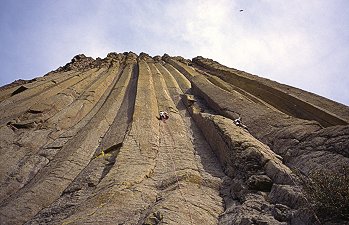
(84, 144)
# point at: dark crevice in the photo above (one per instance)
(23, 125)
(121, 124)
(32, 111)
(19, 90)
(148, 217)
(118, 129)
(113, 151)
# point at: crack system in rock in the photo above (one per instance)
(105, 152)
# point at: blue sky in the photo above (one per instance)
(301, 43)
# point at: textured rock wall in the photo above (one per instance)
(84, 144)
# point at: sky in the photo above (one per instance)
(304, 44)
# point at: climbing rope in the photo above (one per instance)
(174, 166)
(194, 153)
(177, 179)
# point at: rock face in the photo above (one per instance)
(84, 144)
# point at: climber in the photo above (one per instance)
(163, 116)
(239, 123)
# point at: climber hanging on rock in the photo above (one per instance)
(163, 116)
(239, 123)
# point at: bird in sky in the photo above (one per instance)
(241, 10)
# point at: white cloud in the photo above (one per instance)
(302, 43)
(283, 41)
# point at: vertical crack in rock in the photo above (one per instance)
(32, 161)
(19, 90)
(66, 165)
(84, 145)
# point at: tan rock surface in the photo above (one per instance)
(84, 144)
